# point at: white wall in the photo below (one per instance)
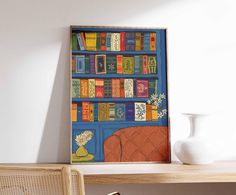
(34, 72)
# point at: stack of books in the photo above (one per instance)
(114, 64)
(114, 88)
(129, 111)
(114, 41)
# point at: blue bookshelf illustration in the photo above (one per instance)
(121, 140)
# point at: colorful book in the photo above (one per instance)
(152, 87)
(142, 88)
(73, 64)
(91, 41)
(91, 108)
(83, 40)
(107, 88)
(130, 41)
(79, 113)
(74, 112)
(108, 41)
(146, 41)
(152, 65)
(140, 111)
(80, 64)
(111, 110)
(137, 65)
(99, 88)
(129, 88)
(138, 41)
(98, 42)
(83, 88)
(95, 111)
(128, 65)
(145, 64)
(74, 41)
(122, 88)
(152, 41)
(103, 112)
(119, 63)
(122, 41)
(154, 113)
(111, 65)
(129, 114)
(120, 112)
(92, 63)
(85, 111)
(103, 41)
(115, 88)
(87, 65)
(80, 42)
(148, 112)
(115, 41)
(142, 41)
(100, 64)
(91, 88)
(75, 91)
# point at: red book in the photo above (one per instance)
(103, 37)
(115, 88)
(122, 41)
(145, 64)
(83, 40)
(99, 88)
(85, 112)
(152, 41)
(119, 64)
(142, 88)
(122, 88)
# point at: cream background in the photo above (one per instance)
(34, 75)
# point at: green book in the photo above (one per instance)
(74, 41)
(111, 65)
(87, 65)
(152, 87)
(98, 43)
(75, 91)
(152, 65)
(128, 65)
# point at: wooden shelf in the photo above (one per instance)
(218, 172)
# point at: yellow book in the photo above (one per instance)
(91, 88)
(74, 112)
(91, 40)
(115, 41)
(154, 113)
(153, 41)
(138, 41)
(91, 112)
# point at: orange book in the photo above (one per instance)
(83, 39)
(122, 88)
(99, 88)
(74, 112)
(148, 112)
(145, 64)
(152, 41)
(115, 88)
(137, 41)
(85, 112)
(119, 64)
(83, 88)
(122, 41)
(103, 36)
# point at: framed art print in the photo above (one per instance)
(119, 99)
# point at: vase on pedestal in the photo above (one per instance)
(195, 149)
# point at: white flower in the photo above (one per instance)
(83, 138)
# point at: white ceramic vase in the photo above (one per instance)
(195, 149)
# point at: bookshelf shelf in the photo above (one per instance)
(110, 99)
(116, 52)
(128, 63)
(114, 75)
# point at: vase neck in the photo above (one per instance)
(195, 125)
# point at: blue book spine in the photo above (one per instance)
(129, 111)
(130, 41)
(79, 113)
(95, 111)
(80, 64)
(137, 64)
(120, 112)
(108, 42)
(79, 38)
(146, 42)
(92, 64)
